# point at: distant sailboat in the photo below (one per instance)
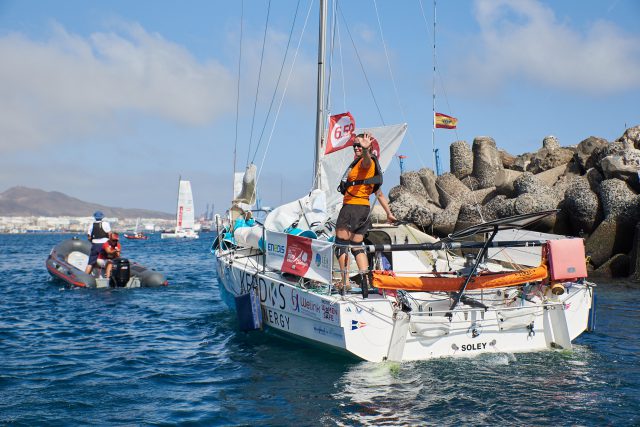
(137, 234)
(185, 218)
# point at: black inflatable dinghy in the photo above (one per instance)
(68, 260)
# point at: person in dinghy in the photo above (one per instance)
(111, 250)
(97, 234)
(362, 179)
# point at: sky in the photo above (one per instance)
(112, 101)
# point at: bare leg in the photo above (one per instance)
(343, 260)
(361, 258)
(108, 270)
(363, 264)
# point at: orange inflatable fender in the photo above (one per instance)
(385, 280)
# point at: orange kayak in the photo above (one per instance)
(384, 280)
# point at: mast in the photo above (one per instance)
(433, 115)
(320, 91)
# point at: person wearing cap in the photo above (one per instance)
(353, 219)
(98, 234)
(109, 251)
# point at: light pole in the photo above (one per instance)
(401, 159)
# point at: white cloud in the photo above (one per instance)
(70, 86)
(525, 39)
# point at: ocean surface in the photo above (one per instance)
(173, 355)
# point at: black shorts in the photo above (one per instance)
(95, 250)
(354, 218)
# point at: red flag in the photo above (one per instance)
(445, 122)
(341, 132)
(297, 259)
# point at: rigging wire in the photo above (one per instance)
(275, 90)
(346, 24)
(284, 92)
(393, 80)
(255, 102)
(344, 92)
(331, 49)
(437, 67)
(235, 145)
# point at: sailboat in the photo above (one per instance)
(427, 301)
(137, 234)
(185, 217)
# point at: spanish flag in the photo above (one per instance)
(446, 122)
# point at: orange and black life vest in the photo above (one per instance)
(376, 180)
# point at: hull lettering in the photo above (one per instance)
(276, 319)
(474, 347)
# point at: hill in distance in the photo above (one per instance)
(23, 201)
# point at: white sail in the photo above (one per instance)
(185, 217)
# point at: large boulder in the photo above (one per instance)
(404, 202)
(562, 224)
(486, 161)
(635, 255)
(535, 202)
(546, 159)
(617, 198)
(585, 149)
(469, 214)
(504, 181)
(470, 182)
(480, 197)
(550, 143)
(522, 162)
(595, 178)
(413, 182)
(508, 160)
(617, 266)
(444, 221)
(461, 159)
(529, 183)
(609, 238)
(561, 186)
(428, 178)
(599, 153)
(422, 217)
(395, 193)
(498, 207)
(471, 211)
(551, 176)
(631, 137)
(450, 188)
(623, 166)
(583, 204)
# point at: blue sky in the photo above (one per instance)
(111, 101)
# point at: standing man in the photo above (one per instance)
(362, 179)
(98, 234)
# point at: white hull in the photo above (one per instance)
(373, 330)
(188, 234)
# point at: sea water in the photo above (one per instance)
(174, 355)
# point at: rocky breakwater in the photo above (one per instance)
(594, 184)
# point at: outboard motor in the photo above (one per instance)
(120, 273)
